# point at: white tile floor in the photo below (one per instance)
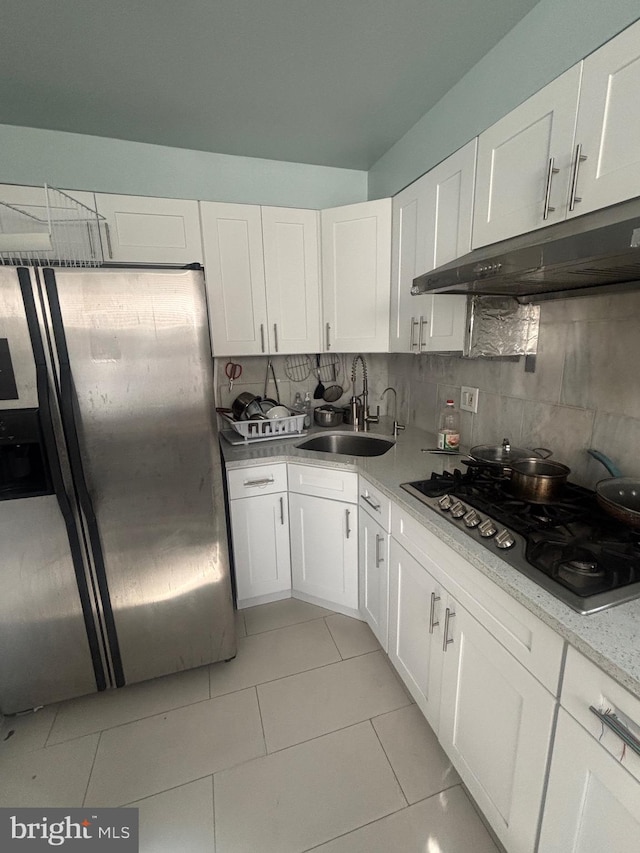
(306, 741)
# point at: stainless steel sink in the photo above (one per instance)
(351, 444)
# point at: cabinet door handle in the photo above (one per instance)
(432, 612)
(328, 336)
(445, 639)
(611, 721)
(379, 559)
(262, 336)
(282, 511)
(579, 158)
(263, 482)
(412, 342)
(421, 325)
(551, 171)
(275, 336)
(348, 513)
(368, 500)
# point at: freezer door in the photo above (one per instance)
(17, 367)
(141, 367)
(44, 651)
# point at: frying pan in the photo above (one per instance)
(618, 496)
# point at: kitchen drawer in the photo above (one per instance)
(375, 503)
(528, 639)
(586, 685)
(324, 482)
(257, 480)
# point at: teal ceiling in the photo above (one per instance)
(330, 82)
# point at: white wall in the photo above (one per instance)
(551, 38)
(75, 161)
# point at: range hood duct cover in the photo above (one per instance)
(600, 249)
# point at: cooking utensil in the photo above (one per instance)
(328, 416)
(297, 367)
(232, 371)
(502, 455)
(333, 393)
(538, 480)
(618, 496)
(241, 404)
(317, 394)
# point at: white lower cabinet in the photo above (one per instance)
(415, 630)
(260, 529)
(593, 798)
(259, 512)
(496, 722)
(373, 576)
(593, 802)
(463, 666)
(324, 551)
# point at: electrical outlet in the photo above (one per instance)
(469, 399)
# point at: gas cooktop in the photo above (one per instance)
(570, 547)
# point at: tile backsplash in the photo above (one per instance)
(585, 391)
(254, 370)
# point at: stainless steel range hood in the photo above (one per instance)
(572, 258)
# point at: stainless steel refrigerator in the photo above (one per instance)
(113, 547)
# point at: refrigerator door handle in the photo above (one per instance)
(57, 479)
(75, 460)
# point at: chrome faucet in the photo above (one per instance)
(397, 427)
(360, 409)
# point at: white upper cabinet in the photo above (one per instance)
(147, 230)
(356, 256)
(234, 272)
(431, 226)
(292, 275)
(263, 281)
(608, 128)
(517, 186)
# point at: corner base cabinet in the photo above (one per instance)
(324, 536)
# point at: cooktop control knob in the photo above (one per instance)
(458, 509)
(445, 503)
(487, 529)
(505, 540)
(472, 519)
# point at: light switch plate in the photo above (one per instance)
(469, 399)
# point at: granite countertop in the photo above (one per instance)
(611, 638)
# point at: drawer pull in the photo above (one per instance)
(265, 481)
(611, 721)
(371, 503)
(446, 640)
(432, 612)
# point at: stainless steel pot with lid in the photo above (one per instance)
(503, 455)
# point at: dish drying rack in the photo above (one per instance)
(54, 230)
(268, 429)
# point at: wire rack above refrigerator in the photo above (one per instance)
(55, 229)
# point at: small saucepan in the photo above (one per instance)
(618, 496)
(538, 480)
